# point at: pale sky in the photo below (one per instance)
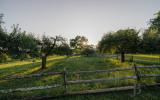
(91, 18)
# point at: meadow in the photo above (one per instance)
(74, 64)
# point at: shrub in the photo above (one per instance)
(88, 52)
(24, 56)
(63, 50)
(4, 57)
(21, 56)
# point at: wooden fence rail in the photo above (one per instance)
(100, 80)
(113, 70)
(102, 71)
(149, 75)
(134, 58)
(31, 76)
(65, 73)
(29, 88)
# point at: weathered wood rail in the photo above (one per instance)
(137, 76)
(100, 80)
(29, 88)
(134, 58)
(102, 71)
(31, 76)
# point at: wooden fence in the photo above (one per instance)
(134, 58)
(137, 76)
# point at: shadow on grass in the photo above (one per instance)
(84, 64)
(29, 82)
(79, 63)
(26, 68)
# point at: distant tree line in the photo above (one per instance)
(130, 41)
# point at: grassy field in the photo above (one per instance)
(148, 59)
(58, 63)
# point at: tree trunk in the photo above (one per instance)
(122, 57)
(44, 59)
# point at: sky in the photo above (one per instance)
(68, 18)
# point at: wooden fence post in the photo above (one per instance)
(138, 78)
(65, 80)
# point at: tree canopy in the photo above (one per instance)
(155, 22)
(78, 43)
(122, 41)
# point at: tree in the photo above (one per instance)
(78, 43)
(106, 42)
(21, 44)
(122, 41)
(47, 45)
(3, 35)
(3, 41)
(151, 37)
(150, 41)
(29, 44)
(155, 22)
(14, 42)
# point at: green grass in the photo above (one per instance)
(145, 59)
(147, 94)
(57, 64)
